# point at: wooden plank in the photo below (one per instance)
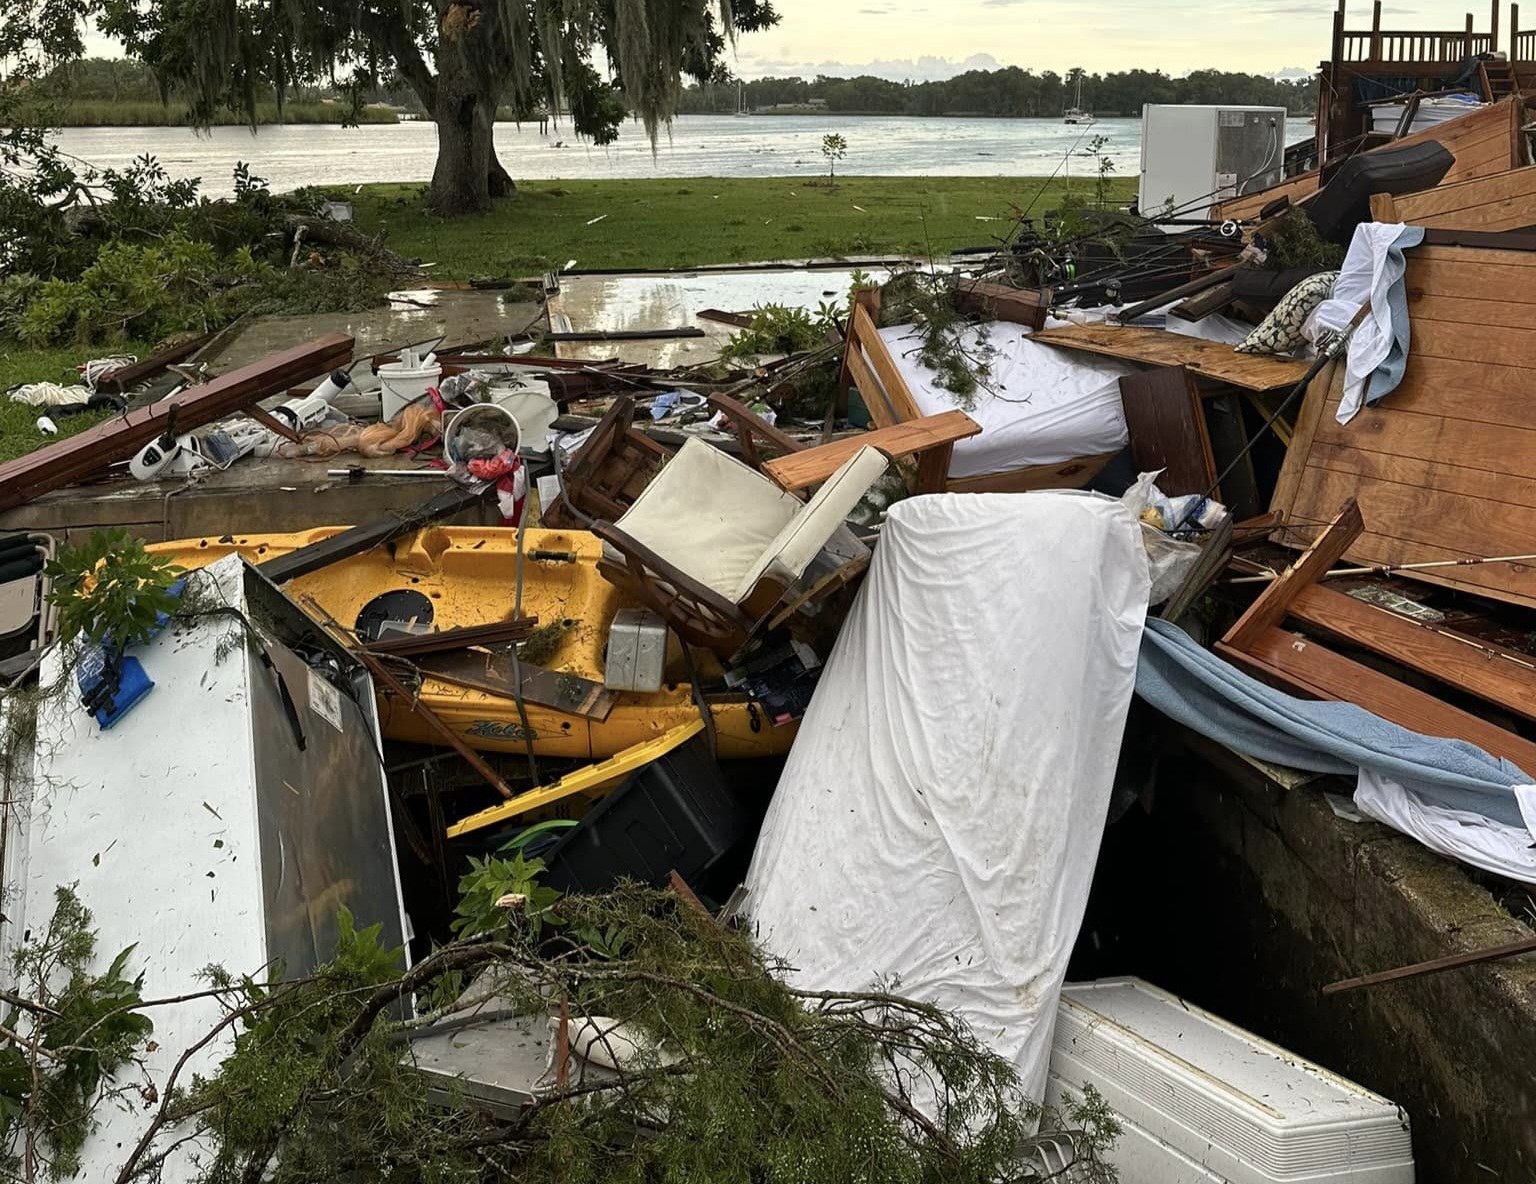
(1400, 533)
(1501, 256)
(1501, 201)
(1500, 676)
(1469, 279)
(371, 534)
(91, 451)
(1482, 393)
(1465, 310)
(126, 376)
(1303, 666)
(1158, 347)
(1384, 208)
(1435, 966)
(1069, 474)
(812, 466)
(1463, 443)
(866, 336)
(1425, 473)
(1166, 421)
(1490, 344)
(863, 378)
(1215, 554)
(1329, 379)
(1274, 603)
(1001, 303)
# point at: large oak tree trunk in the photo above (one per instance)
(468, 174)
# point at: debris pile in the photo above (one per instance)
(715, 680)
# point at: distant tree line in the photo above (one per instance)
(1009, 92)
(1006, 92)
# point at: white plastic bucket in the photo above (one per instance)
(400, 384)
(475, 414)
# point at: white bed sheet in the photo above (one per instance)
(1044, 405)
(938, 821)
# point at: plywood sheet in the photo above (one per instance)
(1445, 467)
(1158, 347)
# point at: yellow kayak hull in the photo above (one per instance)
(469, 574)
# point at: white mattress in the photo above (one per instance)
(937, 824)
(1044, 405)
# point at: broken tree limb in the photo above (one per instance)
(344, 234)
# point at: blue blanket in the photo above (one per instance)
(1188, 683)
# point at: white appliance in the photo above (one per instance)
(1194, 157)
(1203, 1102)
(223, 820)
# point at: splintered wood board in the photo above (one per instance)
(1167, 425)
(1158, 347)
(1445, 466)
(1483, 142)
(1502, 201)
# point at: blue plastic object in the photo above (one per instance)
(111, 683)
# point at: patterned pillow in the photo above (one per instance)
(1281, 331)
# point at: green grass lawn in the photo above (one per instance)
(18, 421)
(693, 221)
(641, 224)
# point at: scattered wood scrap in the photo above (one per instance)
(999, 302)
(1166, 421)
(91, 451)
(1304, 666)
(1158, 347)
(931, 438)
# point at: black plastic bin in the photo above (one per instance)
(677, 813)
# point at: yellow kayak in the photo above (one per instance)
(468, 575)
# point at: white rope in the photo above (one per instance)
(51, 394)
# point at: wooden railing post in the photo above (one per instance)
(1493, 31)
(1514, 32)
(1376, 31)
(1338, 33)
(1467, 47)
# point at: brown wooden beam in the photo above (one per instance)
(1274, 603)
(91, 451)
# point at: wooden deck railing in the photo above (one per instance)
(1416, 48)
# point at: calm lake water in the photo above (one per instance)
(699, 146)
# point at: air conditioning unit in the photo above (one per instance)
(1194, 157)
(1203, 1102)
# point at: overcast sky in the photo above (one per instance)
(921, 39)
(925, 39)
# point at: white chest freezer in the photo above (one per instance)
(224, 819)
(1204, 1102)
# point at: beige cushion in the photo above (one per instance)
(799, 542)
(711, 516)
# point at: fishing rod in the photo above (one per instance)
(1388, 569)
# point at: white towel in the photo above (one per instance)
(1366, 276)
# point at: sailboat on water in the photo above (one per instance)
(741, 100)
(1075, 113)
